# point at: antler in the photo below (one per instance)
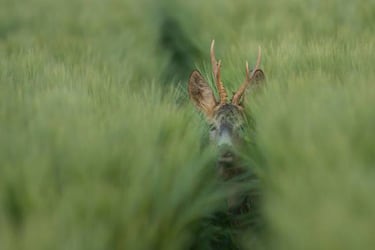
(216, 71)
(237, 96)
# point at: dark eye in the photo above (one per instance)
(212, 127)
(242, 128)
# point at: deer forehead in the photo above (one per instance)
(229, 114)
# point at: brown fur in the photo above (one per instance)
(225, 118)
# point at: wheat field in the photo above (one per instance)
(100, 147)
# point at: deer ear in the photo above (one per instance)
(201, 94)
(258, 80)
(259, 77)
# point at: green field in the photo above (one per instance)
(101, 149)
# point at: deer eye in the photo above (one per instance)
(212, 127)
(213, 131)
(242, 129)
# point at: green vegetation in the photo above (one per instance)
(100, 149)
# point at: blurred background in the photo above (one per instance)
(100, 148)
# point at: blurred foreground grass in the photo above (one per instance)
(99, 151)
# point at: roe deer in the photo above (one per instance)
(226, 120)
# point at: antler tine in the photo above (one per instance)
(247, 71)
(216, 71)
(237, 96)
(213, 58)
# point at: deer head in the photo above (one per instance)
(226, 119)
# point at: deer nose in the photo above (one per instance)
(226, 155)
(225, 147)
